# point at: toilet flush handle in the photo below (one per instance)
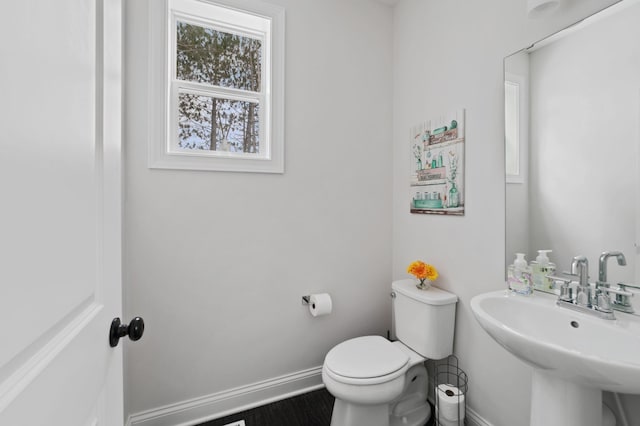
(393, 294)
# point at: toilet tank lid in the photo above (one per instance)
(433, 296)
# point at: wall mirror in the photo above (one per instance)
(572, 136)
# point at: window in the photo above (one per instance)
(222, 89)
(516, 113)
(512, 128)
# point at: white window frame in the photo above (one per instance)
(520, 130)
(250, 18)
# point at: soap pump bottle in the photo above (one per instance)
(540, 269)
(519, 276)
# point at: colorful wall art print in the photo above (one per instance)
(437, 166)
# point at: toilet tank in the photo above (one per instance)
(424, 319)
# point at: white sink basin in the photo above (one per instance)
(575, 356)
(594, 352)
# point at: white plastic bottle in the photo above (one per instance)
(519, 276)
(540, 269)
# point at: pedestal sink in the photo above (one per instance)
(575, 356)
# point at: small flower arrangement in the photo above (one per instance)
(423, 271)
(453, 167)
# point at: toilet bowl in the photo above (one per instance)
(411, 407)
(369, 376)
(381, 383)
(366, 370)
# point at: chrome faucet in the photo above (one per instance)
(621, 302)
(599, 306)
(602, 264)
(582, 302)
(580, 267)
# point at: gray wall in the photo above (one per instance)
(217, 262)
(449, 54)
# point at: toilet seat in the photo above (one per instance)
(366, 360)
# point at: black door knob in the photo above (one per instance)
(135, 330)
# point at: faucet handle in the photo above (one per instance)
(566, 292)
(574, 277)
(603, 302)
(565, 277)
(622, 302)
(621, 291)
(623, 286)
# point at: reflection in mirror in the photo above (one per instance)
(572, 115)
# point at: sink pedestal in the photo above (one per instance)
(556, 401)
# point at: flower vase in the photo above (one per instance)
(423, 284)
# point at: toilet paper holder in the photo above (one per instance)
(318, 304)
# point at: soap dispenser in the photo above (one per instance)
(519, 276)
(540, 269)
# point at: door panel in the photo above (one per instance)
(47, 165)
(60, 86)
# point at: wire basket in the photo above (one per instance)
(451, 384)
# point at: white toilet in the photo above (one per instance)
(381, 383)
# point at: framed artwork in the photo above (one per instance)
(437, 166)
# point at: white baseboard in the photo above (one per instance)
(474, 419)
(221, 404)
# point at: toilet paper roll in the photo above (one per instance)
(445, 422)
(320, 304)
(450, 403)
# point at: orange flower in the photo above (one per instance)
(422, 271)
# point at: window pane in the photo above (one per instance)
(512, 128)
(205, 55)
(235, 124)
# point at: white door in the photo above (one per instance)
(60, 207)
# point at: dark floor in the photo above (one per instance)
(309, 409)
